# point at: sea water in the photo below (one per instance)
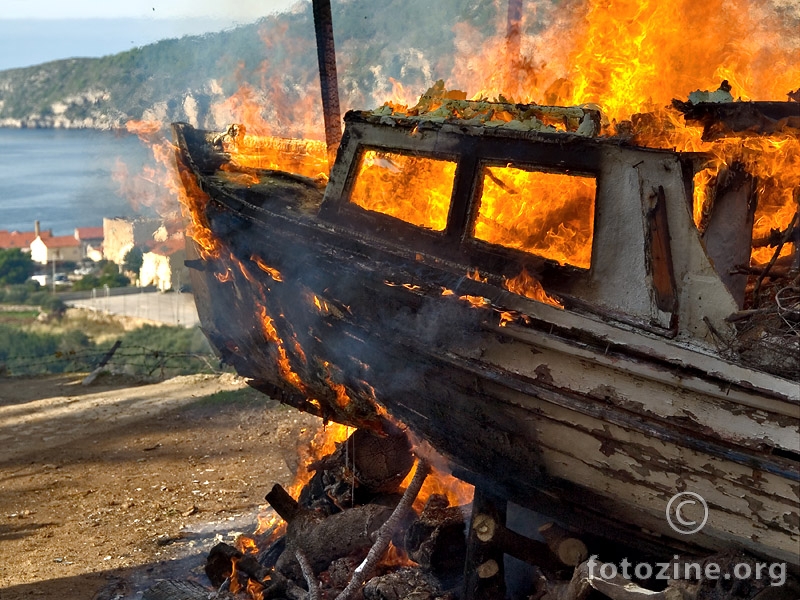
(67, 178)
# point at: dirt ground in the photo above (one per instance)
(105, 489)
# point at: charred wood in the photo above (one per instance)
(283, 504)
(379, 463)
(219, 565)
(728, 229)
(338, 574)
(741, 118)
(785, 238)
(324, 539)
(364, 570)
(437, 539)
(326, 57)
(483, 568)
(402, 584)
(366, 465)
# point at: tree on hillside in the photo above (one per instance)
(15, 266)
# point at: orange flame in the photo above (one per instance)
(475, 301)
(272, 272)
(547, 214)
(635, 56)
(284, 365)
(224, 277)
(458, 492)
(396, 557)
(342, 399)
(475, 275)
(323, 443)
(525, 285)
(412, 188)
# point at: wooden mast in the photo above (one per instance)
(326, 56)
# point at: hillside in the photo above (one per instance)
(190, 79)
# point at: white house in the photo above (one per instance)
(57, 248)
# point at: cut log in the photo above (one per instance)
(219, 565)
(323, 540)
(530, 551)
(379, 463)
(437, 539)
(483, 572)
(280, 500)
(366, 465)
(570, 550)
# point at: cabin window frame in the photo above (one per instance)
(372, 222)
(525, 258)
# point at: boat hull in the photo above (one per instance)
(592, 423)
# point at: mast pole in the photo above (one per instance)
(326, 56)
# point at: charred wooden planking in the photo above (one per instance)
(741, 118)
(451, 396)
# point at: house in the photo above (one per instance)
(121, 235)
(22, 239)
(55, 248)
(163, 264)
(91, 239)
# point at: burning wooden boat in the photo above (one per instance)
(535, 302)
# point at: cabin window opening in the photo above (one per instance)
(415, 189)
(547, 214)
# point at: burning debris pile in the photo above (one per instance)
(373, 522)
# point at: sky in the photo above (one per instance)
(37, 31)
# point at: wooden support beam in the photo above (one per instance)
(326, 56)
(484, 577)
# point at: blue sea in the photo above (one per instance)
(66, 178)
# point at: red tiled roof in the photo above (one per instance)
(20, 239)
(89, 233)
(61, 241)
(168, 247)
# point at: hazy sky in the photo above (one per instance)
(37, 31)
(241, 10)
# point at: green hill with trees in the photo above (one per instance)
(411, 41)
